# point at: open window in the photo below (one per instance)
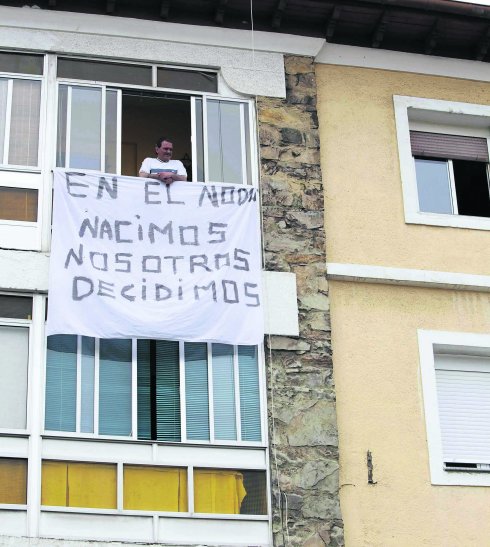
(112, 128)
(444, 162)
(452, 173)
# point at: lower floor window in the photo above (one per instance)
(13, 481)
(153, 389)
(76, 484)
(153, 488)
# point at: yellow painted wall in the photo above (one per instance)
(380, 408)
(364, 208)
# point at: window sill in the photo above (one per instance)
(20, 169)
(445, 220)
(133, 513)
(12, 507)
(129, 440)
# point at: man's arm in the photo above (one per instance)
(165, 177)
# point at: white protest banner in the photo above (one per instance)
(131, 257)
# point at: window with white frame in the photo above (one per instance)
(153, 390)
(112, 128)
(106, 116)
(21, 78)
(444, 160)
(456, 383)
(153, 488)
(15, 319)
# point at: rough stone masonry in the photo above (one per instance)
(306, 508)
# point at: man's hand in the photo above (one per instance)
(165, 177)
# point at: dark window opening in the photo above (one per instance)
(147, 116)
(472, 193)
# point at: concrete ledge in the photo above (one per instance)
(27, 271)
(407, 276)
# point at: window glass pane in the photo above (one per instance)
(87, 387)
(224, 393)
(61, 135)
(85, 143)
(3, 114)
(199, 142)
(249, 393)
(144, 390)
(115, 387)
(167, 391)
(21, 63)
(111, 132)
(196, 389)
(61, 383)
(15, 307)
(187, 79)
(74, 484)
(99, 71)
(433, 186)
(224, 142)
(14, 342)
(13, 481)
(24, 123)
(471, 182)
(18, 204)
(230, 492)
(155, 488)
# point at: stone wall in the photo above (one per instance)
(301, 392)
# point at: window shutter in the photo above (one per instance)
(196, 389)
(224, 393)
(248, 368)
(115, 387)
(144, 396)
(463, 390)
(167, 391)
(455, 147)
(61, 383)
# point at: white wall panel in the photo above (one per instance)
(13, 523)
(213, 532)
(96, 527)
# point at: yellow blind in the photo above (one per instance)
(13, 481)
(218, 491)
(155, 488)
(75, 484)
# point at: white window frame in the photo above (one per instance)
(24, 323)
(468, 121)
(430, 343)
(134, 407)
(170, 463)
(24, 234)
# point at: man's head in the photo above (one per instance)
(164, 149)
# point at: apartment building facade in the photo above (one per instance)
(405, 151)
(163, 441)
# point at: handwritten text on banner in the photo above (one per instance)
(131, 257)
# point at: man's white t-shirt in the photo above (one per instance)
(154, 165)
